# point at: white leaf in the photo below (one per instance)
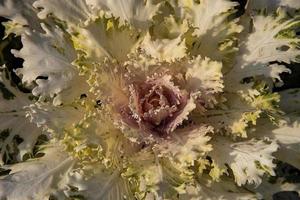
(288, 137)
(74, 12)
(164, 49)
(266, 43)
(215, 35)
(206, 189)
(207, 14)
(13, 112)
(248, 160)
(21, 13)
(135, 12)
(186, 146)
(38, 178)
(105, 38)
(47, 63)
(54, 119)
(272, 5)
(104, 185)
(204, 75)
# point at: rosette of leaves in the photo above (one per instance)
(148, 99)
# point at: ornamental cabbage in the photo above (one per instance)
(148, 99)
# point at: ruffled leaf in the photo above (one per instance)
(74, 13)
(288, 137)
(37, 178)
(273, 38)
(22, 14)
(272, 5)
(185, 147)
(47, 63)
(206, 15)
(213, 36)
(248, 160)
(53, 119)
(106, 185)
(287, 132)
(210, 190)
(104, 37)
(239, 112)
(135, 12)
(204, 79)
(13, 111)
(164, 49)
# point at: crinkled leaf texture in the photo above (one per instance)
(248, 160)
(37, 178)
(13, 105)
(272, 38)
(108, 77)
(272, 5)
(48, 58)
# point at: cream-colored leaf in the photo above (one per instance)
(248, 160)
(273, 38)
(234, 116)
(48, 58)
(106, 185)
(164, 49)
(22, 13)
(105, 38)
(54, 119)
(13, 104)
(204, 76)
(37, 178)
(74, 12)
(185, 147)
(214, 35)
(135, 12)
(287, 135)
(206, 14)
(272, 5)
(211, 190)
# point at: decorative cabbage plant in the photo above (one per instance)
(149, 99)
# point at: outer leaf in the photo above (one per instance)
(213, 35)
(272, 5)
(135, 12)
(187, 146)
(54, 119)
(272, 39)
(164, 49)
(47, 63)
(105, 184)
(207, 189)
(239, 111)
(205, 15)
(248, 160)
(204, 78)
(37, 179)
(12, 112)
(105, 38)
(288, 137)
(21, 13)
(73, 12)
(288, 132)
(145, 172)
